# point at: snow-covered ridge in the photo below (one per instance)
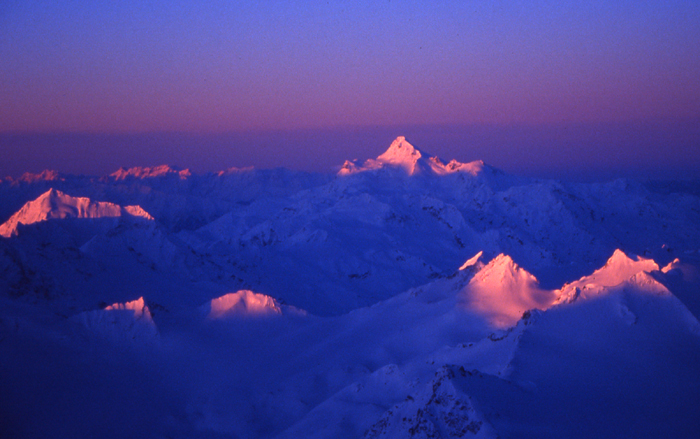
(138, 307)
(235, 170)
(54, 204)
(150, 172)
(474, 261)
(501, 291)
(406, 157)
(45, 175)
(618, 269)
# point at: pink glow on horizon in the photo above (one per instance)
(212, 69)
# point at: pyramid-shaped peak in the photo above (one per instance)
(621, 261)
(50, 199)
(401, 154)
(503, 268)
(401, 146)
(502, 292)
(619, 256)
(503, 261)
(55, 194)
(51, 193)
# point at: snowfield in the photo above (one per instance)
(404, 297)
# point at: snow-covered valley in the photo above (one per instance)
(405, 296)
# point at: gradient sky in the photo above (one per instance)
(226, 67)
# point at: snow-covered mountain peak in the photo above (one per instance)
(404, 156)
(401, 154)
(618, 257)
(504, 267)
(242, 303)
(618, 269)
(54, 204)
(502, 291)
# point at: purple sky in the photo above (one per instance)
(532, 87)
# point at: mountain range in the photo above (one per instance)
(404, 296)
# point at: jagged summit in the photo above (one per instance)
(138, 307)
(150, 172)
(403, 156)
(54, 204)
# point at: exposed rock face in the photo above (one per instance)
(441, 411)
